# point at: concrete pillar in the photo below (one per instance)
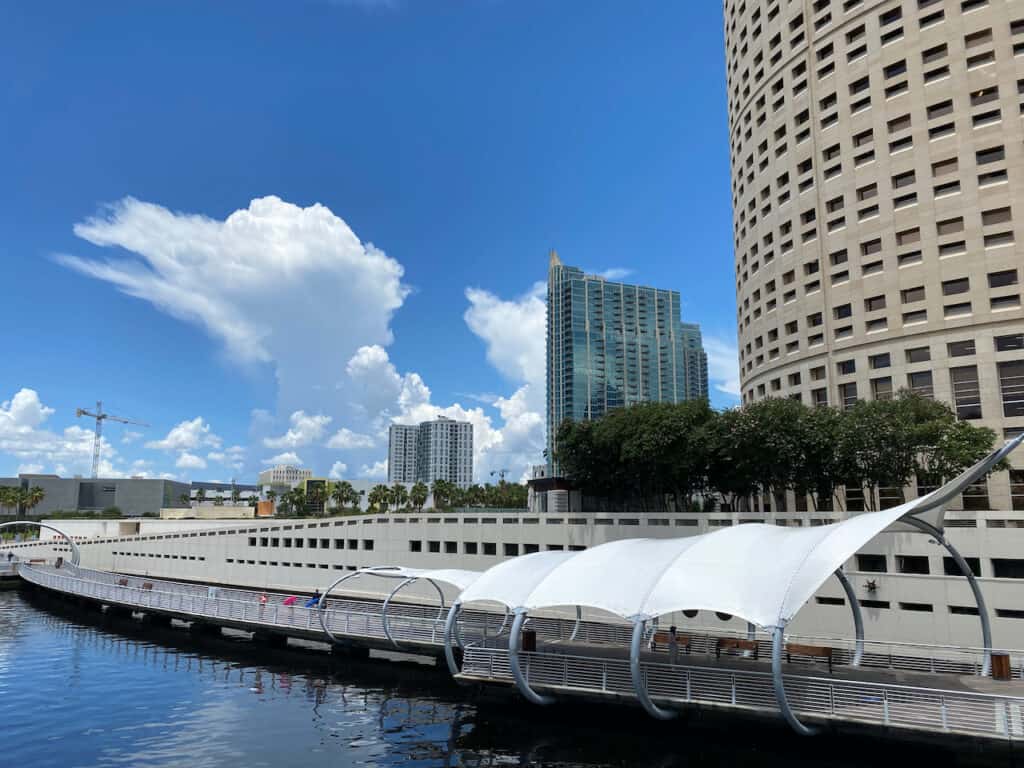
(270, 639)
(204, 628)
(349, 651)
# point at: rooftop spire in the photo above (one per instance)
(553, 260)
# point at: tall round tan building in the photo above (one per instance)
(877, 155)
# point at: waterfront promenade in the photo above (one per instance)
(899, 688)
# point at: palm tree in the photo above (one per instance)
(298, 501)
(418, 495)
(342, 494)
(271, 495)
(439, 490)
(200, 496)
(185, 500)
(6, 497)
(33, 497)
(379, 497)
(235, 494)
(399, 496)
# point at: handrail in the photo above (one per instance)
(753, 673)
(877, 654)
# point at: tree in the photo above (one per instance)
(379, 497)
(32, 498)
(272, 496)
(399, 496)
(185, 500)
(341, 493)
(441, 491)
(418, 495)
(200, 496)
(236, 495)
(8, 497)
(819, 472)
(732, 464)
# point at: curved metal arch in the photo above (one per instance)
(76, 556)
(858, 618)
(979, 599)
(387, 600)
(504, 622)
(514, 642)
(576, 626)
(780, 687)
(321, 606)
(635, 671)
(449, 627)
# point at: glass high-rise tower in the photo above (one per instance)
(612, 345)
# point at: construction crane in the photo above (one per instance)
(100, 417)
(500, 473)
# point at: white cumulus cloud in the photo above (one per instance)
(306, 264)
(187, 436)
(338, 470)
(23, 412)
(24, 435)
(346, 439)
(188, 460)
(378, 470)
(723, 365)
(305, 429)
(288, 457)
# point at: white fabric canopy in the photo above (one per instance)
(762, 573)
(458, 578)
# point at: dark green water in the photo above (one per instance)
(78, 691)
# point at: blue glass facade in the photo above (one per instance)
(610, 344)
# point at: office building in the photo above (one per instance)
(696, 361)
(611, 345)
(435, 450)
(133, 496)
(402, 453)
(284, 475)
(878, 188)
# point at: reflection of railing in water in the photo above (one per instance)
(976, 714)
(417, 623)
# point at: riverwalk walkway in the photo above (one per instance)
(901, 688)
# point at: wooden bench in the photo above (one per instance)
(814, 651)
(147, 585)
(735, 644)
(122, 582)
(661, 638)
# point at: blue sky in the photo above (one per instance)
(270, 228)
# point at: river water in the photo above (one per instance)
(78, 690)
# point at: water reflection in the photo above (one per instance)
(77, 691)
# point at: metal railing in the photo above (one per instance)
(424, 624)
(931, 709)
(359, 621)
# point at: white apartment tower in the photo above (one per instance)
(434, 450)
(402, 453)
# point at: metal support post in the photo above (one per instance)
(514, 641)
(780, 687)
(858, 618)
(636, 672)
